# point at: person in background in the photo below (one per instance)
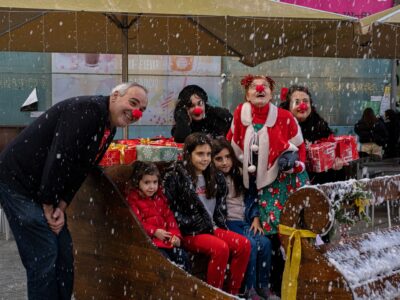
(372, 133)
(193, 114)
(43, 168)
(314, 128)
(197, 195)
(150, 206)
(392, 123)
(244, 218)
(269, 143)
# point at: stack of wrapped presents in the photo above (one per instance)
(322, 154)
(145, 149)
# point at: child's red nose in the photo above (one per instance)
(197, 111)
(136, 113)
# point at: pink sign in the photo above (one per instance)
(354, 8)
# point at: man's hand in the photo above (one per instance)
(256, 226)
(58, 220)
(55, 216)
(48, 211)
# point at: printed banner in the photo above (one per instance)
(354, 8)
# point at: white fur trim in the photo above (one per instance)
(246, 154)
(237, 150)
(302, 165)
(298, 138)
(263, 174)
(245, 114)
(292, 147)
(272, 115)
(266, 176)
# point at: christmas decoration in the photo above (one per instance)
(350, 207)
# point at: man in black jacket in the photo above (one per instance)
(42, 169)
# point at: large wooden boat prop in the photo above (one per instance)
(115, 259)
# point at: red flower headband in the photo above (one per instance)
(248, 79)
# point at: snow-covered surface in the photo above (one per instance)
(340, 188)
(370, 258)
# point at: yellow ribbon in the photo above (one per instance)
(293, 258)
(145, 141)
(361, 203)
(121, 149)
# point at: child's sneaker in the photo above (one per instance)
(264, 292)
(252, 295)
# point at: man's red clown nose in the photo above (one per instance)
(303, 106)
(197, 111)
(260, 88)
(136, 113)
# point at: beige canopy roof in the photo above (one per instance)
(255, 31)
(380, 33)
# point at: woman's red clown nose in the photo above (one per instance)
(197, 111)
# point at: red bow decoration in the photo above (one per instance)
(247, 80)
(260, 88)
(197, 111)
(136, 113)
(303, 106)
(284, 92)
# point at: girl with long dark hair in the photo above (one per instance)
(197, 195)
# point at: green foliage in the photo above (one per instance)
(350, 208)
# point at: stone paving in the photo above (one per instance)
(12, 272)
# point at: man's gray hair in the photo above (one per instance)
(123, 87)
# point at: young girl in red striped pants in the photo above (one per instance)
(197, 195)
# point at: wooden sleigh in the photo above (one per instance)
(362, 267)
(115, 259)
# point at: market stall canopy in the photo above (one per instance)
(255, 31)
(381, 33)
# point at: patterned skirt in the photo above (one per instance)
(272, 198)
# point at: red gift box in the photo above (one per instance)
(119, 153)
(346, 147)
(110, 158)
(130, 155)
(129, 151)
(125, 152)
(321, 156)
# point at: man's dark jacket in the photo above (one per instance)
(189, 211)
(49, 160)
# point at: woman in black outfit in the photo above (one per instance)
(372, 133)
(299, 102)
(193, 114)
(392, 123)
